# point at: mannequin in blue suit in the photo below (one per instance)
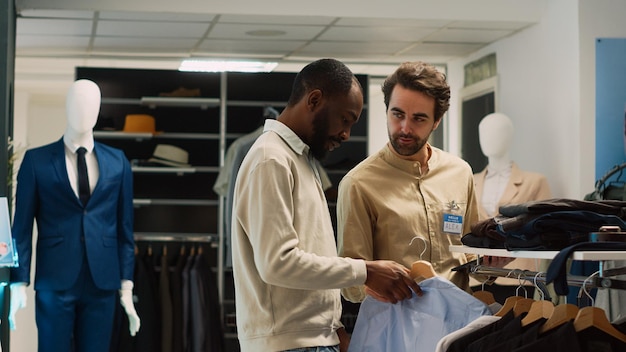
(85, 253)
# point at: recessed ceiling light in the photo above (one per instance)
(197, 65)
(266, 33)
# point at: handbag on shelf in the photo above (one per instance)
(610, 190)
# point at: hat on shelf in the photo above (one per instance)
(140, 123)
(170, 155)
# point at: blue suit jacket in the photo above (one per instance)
(44, 194)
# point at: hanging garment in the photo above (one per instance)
(459, 344)
(417, 323)
(147, 305)
(557, 271)
(176, 290)
(166, 304)
(480, 322)
(564, 338)
(205, 329)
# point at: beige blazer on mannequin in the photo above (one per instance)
(523, 186)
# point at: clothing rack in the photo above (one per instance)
(601, 280)
(539, 278)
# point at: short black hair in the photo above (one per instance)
(330, 76)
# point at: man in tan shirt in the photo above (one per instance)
(409, 189)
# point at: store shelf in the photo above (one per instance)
(202, 103)
(147, 135)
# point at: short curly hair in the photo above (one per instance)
(421, 77)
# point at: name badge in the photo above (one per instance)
(452, 223)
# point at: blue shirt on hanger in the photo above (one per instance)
(415, 324)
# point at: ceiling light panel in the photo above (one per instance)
(199, 65)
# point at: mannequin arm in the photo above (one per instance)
(126, 300)
(18, 301)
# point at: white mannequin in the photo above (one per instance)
(82, 108)
(503, 183)
(495, 134)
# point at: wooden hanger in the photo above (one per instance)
(423, 269)
(588, 317)
(510, 302)
(485, 296)
(562, 314)
(538, 310)
(522, 306)
(508, 305)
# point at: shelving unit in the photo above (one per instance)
(178, 204)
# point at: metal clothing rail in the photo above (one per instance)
(539, 278)
(167, 237)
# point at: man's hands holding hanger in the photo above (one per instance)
(388, 281)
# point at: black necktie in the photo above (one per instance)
(83, 177)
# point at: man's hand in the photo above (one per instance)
(344, 339)
(389, 281)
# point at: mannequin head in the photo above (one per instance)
(495, 134)
(82, 107)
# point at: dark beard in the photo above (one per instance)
(320, 135)
(406, 150)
